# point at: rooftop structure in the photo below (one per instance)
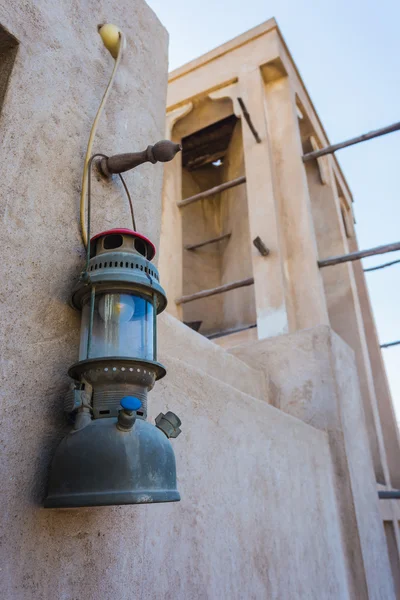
(247, 221)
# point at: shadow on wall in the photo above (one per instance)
(8, 52)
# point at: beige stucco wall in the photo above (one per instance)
(313, 376)
(236, 533)
(239, 307)
(259, 516)
(345, 315)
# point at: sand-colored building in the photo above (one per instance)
(286, 427)
(244, 117)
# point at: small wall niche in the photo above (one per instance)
(8, 50)
(209, 145)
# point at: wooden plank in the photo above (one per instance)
(215, 190)
(206, 242)
(335, 260)
(361, 138)
(213, 291)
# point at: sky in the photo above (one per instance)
(348, 54)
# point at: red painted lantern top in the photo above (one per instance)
(150, 248)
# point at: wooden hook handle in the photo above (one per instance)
(162, 151)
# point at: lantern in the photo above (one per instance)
(113, 455)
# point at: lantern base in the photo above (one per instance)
(111, 499)
(100, 465)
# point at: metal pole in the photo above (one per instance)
(389, 264)
(361, 138)
(219, 334)
(335, 260)
(249, 122)
(389, 344)
(91, 316)
(217, 290)
(206, 242)
(212, 191)
(389, 495)
(154, 327)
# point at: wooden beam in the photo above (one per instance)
(206, 242)
(389, 494)
(335, 260)
(389, 264)
(215, 190)
(389, 344)
(361, 138)
(249, 122)
(261, 247)
(213, 291)
(219, 334)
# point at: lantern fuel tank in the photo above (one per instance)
(113, 455)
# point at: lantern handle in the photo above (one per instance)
(89, 205)
(116, 52)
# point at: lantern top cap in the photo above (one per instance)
(151, 249)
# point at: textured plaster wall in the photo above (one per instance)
(323, 390)
(258, 517)
(342, 300)
(238, 305)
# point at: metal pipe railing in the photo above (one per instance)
(218, 290)
(214, 190)
(336, 260)
(356, 140)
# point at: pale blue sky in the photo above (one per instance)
(348, 53)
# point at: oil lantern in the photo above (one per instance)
(112, 454)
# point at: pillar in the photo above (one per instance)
(270, 294)
(305, 301)
(389, 425)
(342, 299)
(170, 262)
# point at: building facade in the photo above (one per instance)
(276, 468)
(245, 120)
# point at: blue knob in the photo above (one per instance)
(131, 403)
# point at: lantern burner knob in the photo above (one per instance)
(127, 416)
(131, 403)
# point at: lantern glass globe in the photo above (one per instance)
(122, 327)
(117, 308)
